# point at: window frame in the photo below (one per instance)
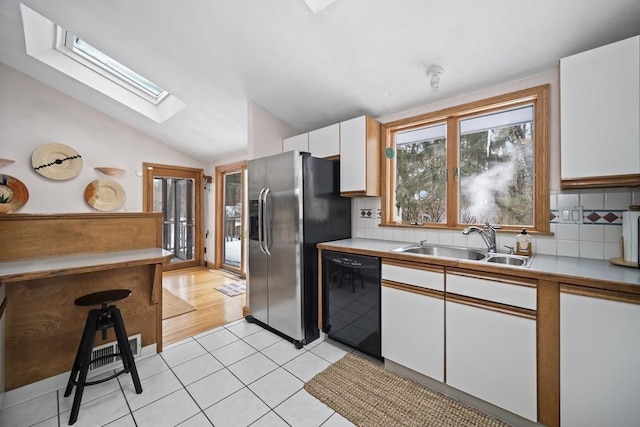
(65, 43)
(537, 96)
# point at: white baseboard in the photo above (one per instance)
(48, 385)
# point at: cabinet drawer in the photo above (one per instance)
(423, 278)
(517, 295)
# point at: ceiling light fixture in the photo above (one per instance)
(434, 74)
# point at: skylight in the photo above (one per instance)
(73, 56)
(100, 59)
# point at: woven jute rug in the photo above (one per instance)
(368, 395)
(173, 306)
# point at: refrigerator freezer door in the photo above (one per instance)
(283, 229)
(258, 267)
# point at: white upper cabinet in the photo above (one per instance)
(298, 142)
(325, 142)
(600, 116)
(360, 157)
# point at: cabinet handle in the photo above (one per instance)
(492, 306)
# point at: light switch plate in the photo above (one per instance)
(570, 215)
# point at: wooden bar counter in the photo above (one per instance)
(47, 261)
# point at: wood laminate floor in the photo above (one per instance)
(197, 287)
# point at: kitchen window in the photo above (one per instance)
(477, 162)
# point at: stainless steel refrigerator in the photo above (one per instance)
(294, 203)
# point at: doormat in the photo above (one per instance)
(369, 395)
(233, 289)
(173, 306)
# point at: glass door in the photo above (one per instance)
(230, 194)
(176, 192)
(174, 198)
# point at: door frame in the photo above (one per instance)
(221, 172)
(151, 170)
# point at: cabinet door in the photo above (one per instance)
(298, 142)
(413, 331)
(353, 164)
(360, 157)
(492, 356)
(599, 362)
(599, 110)
(325, 142)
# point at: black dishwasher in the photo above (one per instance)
(351, 300)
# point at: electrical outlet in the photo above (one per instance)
(570, 215)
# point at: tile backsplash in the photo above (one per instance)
(596, 235)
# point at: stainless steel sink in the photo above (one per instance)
(443, 251)
(519, 261)
(465, 254)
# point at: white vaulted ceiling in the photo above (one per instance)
(311, 69)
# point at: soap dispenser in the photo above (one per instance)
(523, 243)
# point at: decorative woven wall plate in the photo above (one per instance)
(104, 195)
(56, 161)
(14, 189)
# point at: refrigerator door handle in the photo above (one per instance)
(261, 221)
(267, 222)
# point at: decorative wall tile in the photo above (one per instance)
(607, 217)
(365, 213)
(589, 216)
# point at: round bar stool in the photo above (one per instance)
(107, 316)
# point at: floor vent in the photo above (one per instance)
(107, 352)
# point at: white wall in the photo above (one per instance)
(33, 114)
(266, 132)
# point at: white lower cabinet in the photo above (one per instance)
(492, 356)
(413, 331)
(599, 361)
(491, 339)
(413, 318)
(478, 337)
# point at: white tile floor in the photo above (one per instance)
(235, 375)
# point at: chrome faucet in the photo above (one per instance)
(489, 236)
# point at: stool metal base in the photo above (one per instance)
(99, 320)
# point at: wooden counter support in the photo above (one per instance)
(43, 325)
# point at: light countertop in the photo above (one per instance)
(13, 271)
(574, 268)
